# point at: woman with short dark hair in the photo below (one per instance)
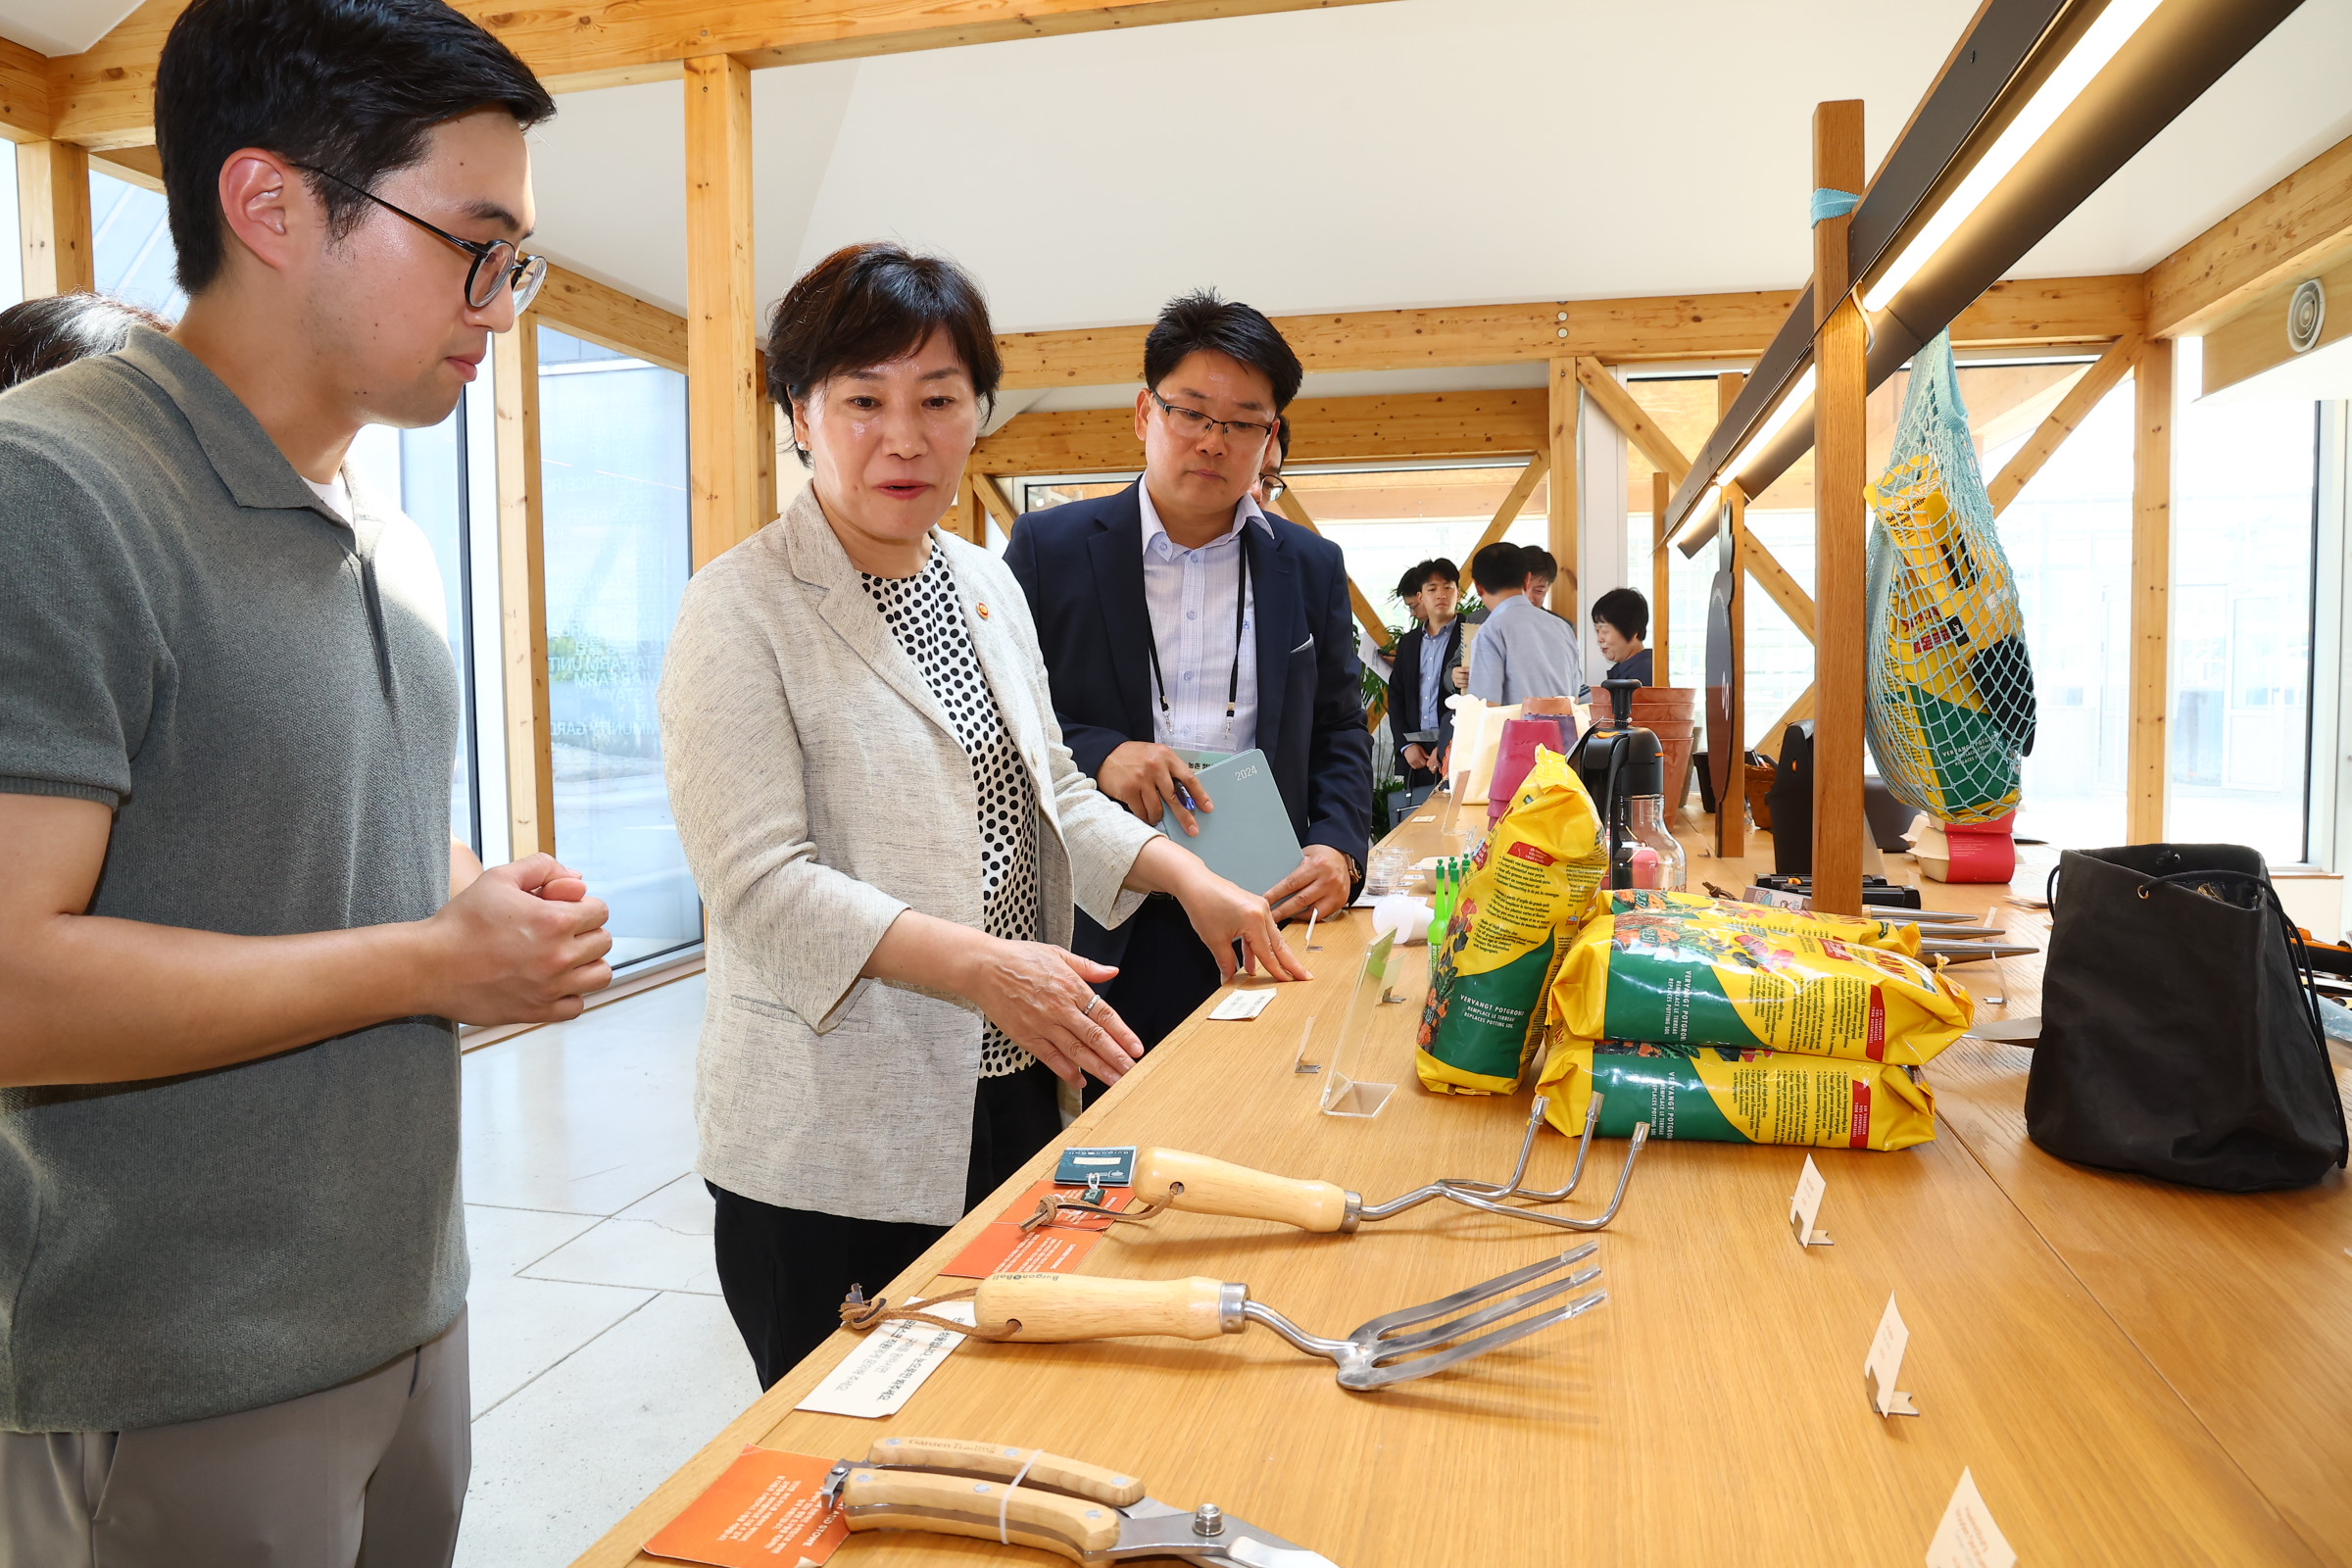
(40, 335)
(1620, 621)
(879, 809)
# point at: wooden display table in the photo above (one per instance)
(2136, 1374)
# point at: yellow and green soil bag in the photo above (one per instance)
(1870, 933)
(1738, 1097)
(1492, 968)
(1696, 978)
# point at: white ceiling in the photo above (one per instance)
(61, 27)
(1420, 151)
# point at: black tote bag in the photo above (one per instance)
(2178, 1038)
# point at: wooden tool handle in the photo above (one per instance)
(1005, 1461)
(913, 1499)
(1046, 1307)
(1206, 1185)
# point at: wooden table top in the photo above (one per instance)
(2135, 1374)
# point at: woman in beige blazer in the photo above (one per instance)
(879, 811)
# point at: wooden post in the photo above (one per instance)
(1731, 795)
(764, 440)
(1840, 458)
(53, 218)
(723, 386)
(1661, 581)
(1567, 397)
(523, 590)
(2146, 766)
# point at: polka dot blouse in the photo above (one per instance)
(925, 615)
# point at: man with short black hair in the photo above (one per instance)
(1423, 678)
(232, 1255)
(1521, 652)
(1542, 572)
(1178, 618)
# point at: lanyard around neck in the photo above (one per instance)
(1241, 605)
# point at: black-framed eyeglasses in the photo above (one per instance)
(497, 264)
(1192, 423)
(1274, 484)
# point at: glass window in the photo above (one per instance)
(131, 240)
(423, 473)
(2068, 536)
(613, 456)
(2244, 520)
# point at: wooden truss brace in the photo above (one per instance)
(1365, 616)
(2072, 410)
(1514, 502)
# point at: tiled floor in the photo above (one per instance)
(603, 1355)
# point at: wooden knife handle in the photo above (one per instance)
(1049, 1307)
(950, 1505)
(1206, 1185)
(1005, 1461)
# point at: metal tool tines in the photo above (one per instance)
(1174, 1178)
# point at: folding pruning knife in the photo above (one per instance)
(1083, 1511)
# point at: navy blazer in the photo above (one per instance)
(1405, 689)
(1082, 567)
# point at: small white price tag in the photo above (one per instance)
(1804, 1207)
(1886, 1363)
(1243, 1005)
(881, 1374)
(1968, 1538)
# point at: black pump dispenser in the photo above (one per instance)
(1618, 761)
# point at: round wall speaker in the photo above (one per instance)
(2306, 314)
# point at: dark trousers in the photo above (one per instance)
(1165, 973)
(784, 1271)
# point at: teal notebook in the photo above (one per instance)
(1248, 838)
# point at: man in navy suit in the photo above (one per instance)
(1427, 658)
(1177, 615)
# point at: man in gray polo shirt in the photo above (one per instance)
(1521, 651)
(232, 1258)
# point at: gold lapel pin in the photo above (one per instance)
(983, 608)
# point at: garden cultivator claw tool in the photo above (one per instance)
(1392, 1348)
(1172, 1178)
(1029, 1497)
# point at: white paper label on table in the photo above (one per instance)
(1239, 1005)
(1885, 1365)
(1805, 1209)
(884, 1371)
(1968, 1538)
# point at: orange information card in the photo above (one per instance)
(762, 1512)
(1003, 1248)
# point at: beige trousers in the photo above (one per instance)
(368, 1474)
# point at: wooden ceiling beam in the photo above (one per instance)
(1617, 332)
(2277, 237)
(105, 97)
(1401, 426)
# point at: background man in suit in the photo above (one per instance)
(1177, 615)
(1269, 484)
(1422, 679)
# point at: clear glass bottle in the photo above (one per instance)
(1658, 859)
